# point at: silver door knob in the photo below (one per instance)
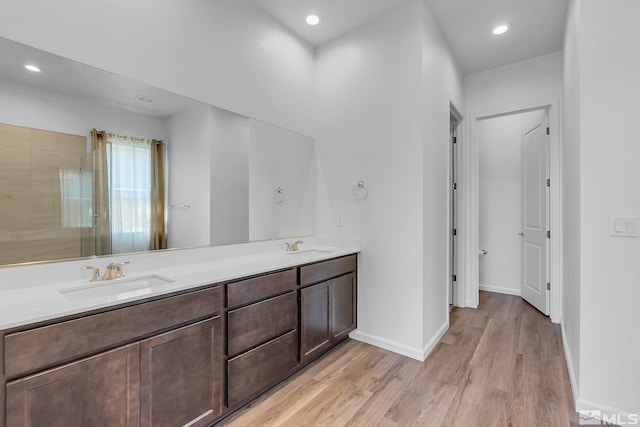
(521, 234)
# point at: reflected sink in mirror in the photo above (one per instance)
(309, 252)
(117, 289)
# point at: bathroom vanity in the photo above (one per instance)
(181, 357)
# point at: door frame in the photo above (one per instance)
(468, 280)
(454, 294)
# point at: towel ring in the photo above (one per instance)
(360, 190)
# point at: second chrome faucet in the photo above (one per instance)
(293, 247)
(113, 271)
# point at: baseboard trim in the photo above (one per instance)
(500, 290)
(569, 362)
(402, 349)
(413, 353)
(433, 342)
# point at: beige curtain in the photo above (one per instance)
(158, 229)
(99, 147)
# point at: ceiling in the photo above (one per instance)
(537, 26)
(63, 76)
(338, 16)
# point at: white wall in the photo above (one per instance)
(500, 199)
(520, 86)
(229, 178)
(372, 125)
(280, 158)
(26, 106)
(571, 196)
(441, 85)
(226, 52)
(609, 65)
(189, 152)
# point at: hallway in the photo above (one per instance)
(500, 365)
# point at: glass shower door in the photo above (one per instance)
(89, 220)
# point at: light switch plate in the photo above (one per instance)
(625, 226)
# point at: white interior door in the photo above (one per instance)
(535, 215)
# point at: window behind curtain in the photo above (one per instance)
(129, 166)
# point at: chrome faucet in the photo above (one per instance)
(113, 271)
(95, 272)
(293, 247)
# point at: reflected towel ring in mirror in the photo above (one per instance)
(278, 195)
(360, 190)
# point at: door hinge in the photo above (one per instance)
(455, 139)
(548, 234)
(548, 286)
(455, 185)
(548, 130)
(454, 278)
(454, 232)
(548, 182)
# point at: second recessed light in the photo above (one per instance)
(500, 29)
(32, 68)
(312, 19)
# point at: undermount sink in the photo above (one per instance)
(309, 252)
(117, 289)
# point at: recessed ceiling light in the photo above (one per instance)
(32, 68)
(313, 19)
(500, 29)
(145, 99)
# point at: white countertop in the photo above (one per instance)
(32, 304)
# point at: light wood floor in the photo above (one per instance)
(500, 365)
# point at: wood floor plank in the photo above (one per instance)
(385, 388)
(499, 365)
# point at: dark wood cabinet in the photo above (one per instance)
(343, 306)
(46, 346)
(180, 376)
(327, 309)
(254, 371)
(315, 320)
(162, 361)
(172, 378)
(262, 333)
(260, 322)
(103, 390)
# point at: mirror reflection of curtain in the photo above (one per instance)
(135, 194)
(158, 238)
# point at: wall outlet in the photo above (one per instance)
(340, 220)
(294, 219)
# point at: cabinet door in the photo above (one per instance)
(181, 376)
(315, 331)
(103, 390)
(343, 308)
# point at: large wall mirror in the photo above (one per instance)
(78, 178)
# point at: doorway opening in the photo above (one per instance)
(514, 205)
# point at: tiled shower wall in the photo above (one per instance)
(39, 194)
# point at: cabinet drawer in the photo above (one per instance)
(259, 322)
(321, 271)
(254, 370)
(46, 346)
(251, 290)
